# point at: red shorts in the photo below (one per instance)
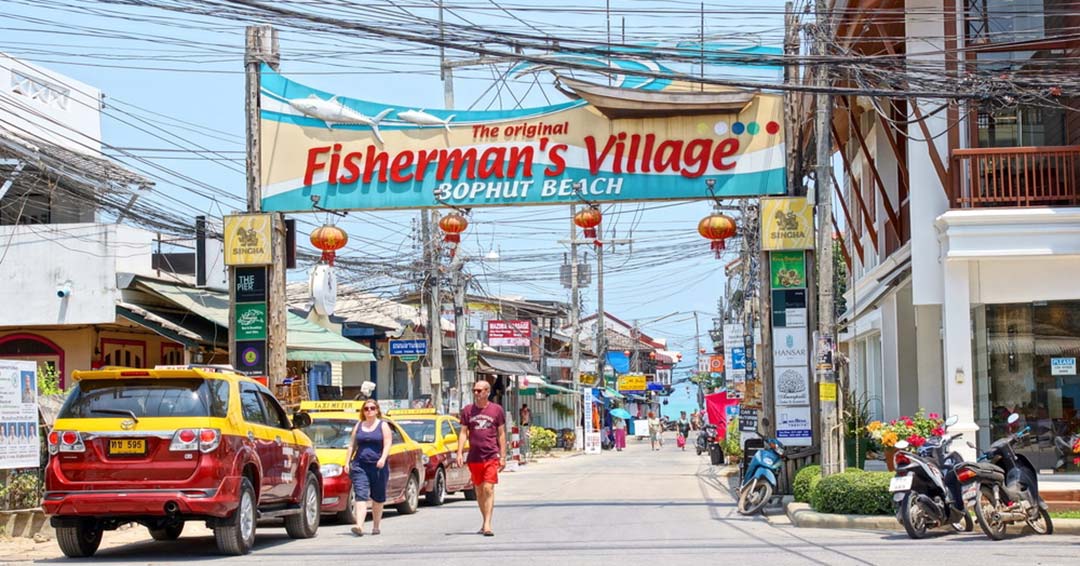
(484, 472)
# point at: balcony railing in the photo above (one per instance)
(1016, 176)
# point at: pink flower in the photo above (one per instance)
(892, 422)
(939, 431)
(909, 422)
(1076, 461)
(934, 416)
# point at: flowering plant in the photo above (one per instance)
(915, 430)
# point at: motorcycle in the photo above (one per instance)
(704, 437)
(928, 490)
(760, 481)
(1009, 489)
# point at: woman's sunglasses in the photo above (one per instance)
(371, 409)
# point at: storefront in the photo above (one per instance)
(1025, 361)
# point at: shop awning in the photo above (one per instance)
(611, 393)
(305, 341)
(505, 364)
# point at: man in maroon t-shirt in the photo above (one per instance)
(483, 428)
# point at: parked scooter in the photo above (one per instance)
(705, 436)
(1009, 489)
(927, 490)
(760, 481)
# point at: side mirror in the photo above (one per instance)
(450, 438)
(902, 445)
(952, 420)
(1013, 418)
(301, 420)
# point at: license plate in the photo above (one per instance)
(127, 446)
(900, 483)
(971, 491)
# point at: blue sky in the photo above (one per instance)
(181, 80)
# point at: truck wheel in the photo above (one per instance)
(81, 540)
(168, 532)
(412, 496)
(437, 495)
(239, 537)
(306, 523)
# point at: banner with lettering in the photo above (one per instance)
(353, 154)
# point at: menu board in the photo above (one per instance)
(19, 443)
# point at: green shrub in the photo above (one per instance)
(732, 445)
(540, 440)
(853, 493)
(803, 478)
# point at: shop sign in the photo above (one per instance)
(716, 364)
(509, 333)
(631, 382)
(592, 436)
(247, 239)
(793, 426)
(787, 223)
(748, 419)
(1062, 366)
(788, 270)
(362, 155)
(250, 321)
(251, 357)
(587, 379)
(791, 386)
(250, 284)
(402, 348)
(827, 391)
(789, 347)
(734, 354)
(19, 415)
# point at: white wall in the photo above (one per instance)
(1042, 279)
(41, 103)
(41, 258)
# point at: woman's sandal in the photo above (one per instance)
(358, 531)
(375, 532)
(489, 533)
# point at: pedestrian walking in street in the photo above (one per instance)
(683, 426)
(620, 434)
(525, 419)
(655, 431)
(483, 428)
(369, 449)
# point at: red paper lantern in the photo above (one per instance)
(717, 227)
(652, 355)
(453, 225)
(626, 353)
(588, 219)
(329, 239)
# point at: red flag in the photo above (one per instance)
(716, 406)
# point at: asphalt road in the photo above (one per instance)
(633, 507)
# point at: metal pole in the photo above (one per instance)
(461, 356)
(575, 317)
(601, 342)
(830, 446)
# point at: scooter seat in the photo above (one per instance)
(987, 471)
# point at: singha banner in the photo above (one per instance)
(354, 154)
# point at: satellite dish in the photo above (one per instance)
(323, 284)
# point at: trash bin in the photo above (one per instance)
(716, 454)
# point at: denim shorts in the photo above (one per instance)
(368, 481)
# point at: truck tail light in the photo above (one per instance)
(65, 441)
(192, 439)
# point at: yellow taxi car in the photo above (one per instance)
(161, 447)
(331, 425)
(438, 437)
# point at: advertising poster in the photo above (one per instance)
(509, 333)
(793, 426)
(788, 270)
(19, 442)
(592, 436)
(791, 385)
(790, 347)
(787, 223)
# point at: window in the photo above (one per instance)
(395, 435)
(251, 405)
(275, 415)
(420, 430)
(447, 429)
(1013, 21)
(42, 91)
(103, 398)
(867, 369)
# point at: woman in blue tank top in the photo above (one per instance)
(368, 450)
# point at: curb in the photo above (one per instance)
(802, 516)
(1066, 526)
(26, 523)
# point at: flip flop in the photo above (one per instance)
(358, 531)
(375, 532)
(489, 533)
(480, 532)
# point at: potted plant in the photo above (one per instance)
(856, 439)
(915, 430)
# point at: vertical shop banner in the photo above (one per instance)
(358, 154)
(791, 341)
(19, 442)
(734, 353)
(592, 436)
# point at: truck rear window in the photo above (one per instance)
(104, 398)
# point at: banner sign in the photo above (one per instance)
(18, 415)
(631, 382)
(790, 347)
(793, 426)
(402, 348)
(355, 154)
(788, 270)
(734, 354)
(592, 436)
(247, 239)
(509, 332)
(787, 223)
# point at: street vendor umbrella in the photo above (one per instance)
(620, 412)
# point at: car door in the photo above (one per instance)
(398, 462)
(287, 455)
(448, 441)
(261, 438)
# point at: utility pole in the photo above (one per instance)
(461, 356)
(261, 46)
(434, 307)
(830, 445)
(575, 316)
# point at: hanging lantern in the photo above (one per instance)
(453, 225)
(329, 239)
(717, 227)
(652, 355)
(588, 219)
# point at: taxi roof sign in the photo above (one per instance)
(402, 412)
(331, 406)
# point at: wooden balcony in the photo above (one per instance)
(1016, 176)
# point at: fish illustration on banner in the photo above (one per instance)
(355, 154)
